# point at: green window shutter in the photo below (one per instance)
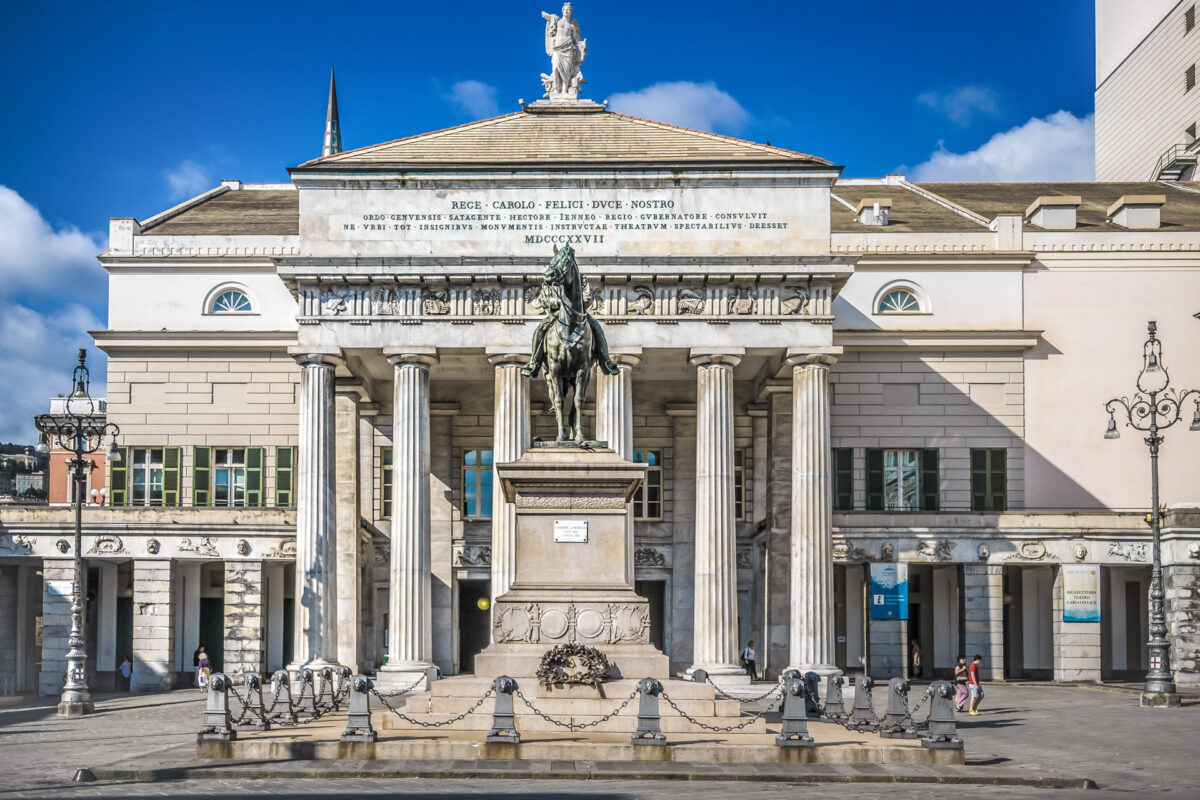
(843, 471)
(874, 480)
(171, 459)
(998, 480)
(118, 479)
(285, 460)
(979, 480)
(254, 476)
(201, 475)
(929, 480)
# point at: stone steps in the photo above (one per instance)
(481, 720)
(555, 706)
(472, 687)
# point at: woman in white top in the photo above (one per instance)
(748, 660)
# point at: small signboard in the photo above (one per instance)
(889, 591)
(1081, 593)
(570, 530)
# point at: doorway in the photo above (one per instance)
(212, 630)
(474, 623)
(654, 592)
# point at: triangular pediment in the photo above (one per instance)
(562, 139)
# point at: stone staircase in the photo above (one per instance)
(573, 705)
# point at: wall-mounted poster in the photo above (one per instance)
(889, 591)
(1081, 593)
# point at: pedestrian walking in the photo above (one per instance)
(974, 685)
(916, 659)
(126, 671)
(960, 683)
(748, 660)
(203, 668)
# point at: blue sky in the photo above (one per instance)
(124, 109)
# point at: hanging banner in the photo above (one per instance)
(889, 591)
(1081, 593)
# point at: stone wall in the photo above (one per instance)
(153, 625)
(1076, 644)
(244, 646)
(887, 648)
(1183, 621)
(983, 617)
(8, 625)
(56, 623)
(946, 400)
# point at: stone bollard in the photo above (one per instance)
(795, 712)
(326, 700)
(504, 729)
(942, 733)
(281, 690)
(862, 716)
(812, 687)
(306, 700)
(835, 706)
(358, 717)
(896, 717)
(254, 717)
(649, 731)
(699, 676)
(216, 712)
(343, 683)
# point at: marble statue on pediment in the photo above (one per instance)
(567, 50)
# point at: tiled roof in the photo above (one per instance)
(1181, 211)
(565, 138)
(909, 213)
(246, 212)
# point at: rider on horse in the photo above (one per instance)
(551, 293)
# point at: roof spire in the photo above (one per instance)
(333, 131)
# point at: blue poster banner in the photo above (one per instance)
(889, 591)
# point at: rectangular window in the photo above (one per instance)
(843, 479)
(229, 476)
(285, 477)
(902, 480)
(146, 476)
(647, 500)
(739, 483)
(989, 480)
(385, 482)
(1190, 133)
(1189, 78)
(477, 484)
(1189, 19)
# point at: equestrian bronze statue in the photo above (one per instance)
(567, 342)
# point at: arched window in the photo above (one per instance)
(229, 299)
(899, 301)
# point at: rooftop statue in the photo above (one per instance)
(568, 342)
(567, 50)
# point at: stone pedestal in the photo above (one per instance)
(570, 583)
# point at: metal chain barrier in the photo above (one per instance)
(721, 728)
(399, 692)
(908, 718)
(382, 699)
(582, 725)
(727, 696)
(815, 697)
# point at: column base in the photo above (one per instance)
(1149, 700)
(75, 708)
(725, 677)
(413, 677)
(824, 670)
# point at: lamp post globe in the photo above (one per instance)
(78, 432)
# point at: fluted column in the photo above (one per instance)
(614, 424)
(715, 647)
(811, 637)
(510, 438)
(316, 532)
(410, 604)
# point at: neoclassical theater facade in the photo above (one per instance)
(314, 379)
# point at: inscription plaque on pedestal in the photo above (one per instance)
(570, 530)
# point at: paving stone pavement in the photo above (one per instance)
(1130, 752)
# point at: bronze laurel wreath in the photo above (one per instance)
(572, 664)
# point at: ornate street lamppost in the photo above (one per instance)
(79, 432)
(1154, 408)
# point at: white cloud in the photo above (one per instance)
(474, 98)
(961, 103)
(187, 180)
(48, 280)
(702, 106)
(1060, 147)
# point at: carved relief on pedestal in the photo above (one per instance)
(589, 624)
(515, 623)
(612, 623)
(555, 501)
(629, 623)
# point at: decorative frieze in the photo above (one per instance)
(472, 555)
(107, 544)
(610, 623)
(22, 545)
(203, 546)
(715, 299)
(1029, 551)
(649, 557)
(1129, 551)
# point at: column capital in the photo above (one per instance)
(626, 356)
(423, 356)
(502, 357)
(705, 356)
(814, 357)
(329, 356)
(350, 387)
